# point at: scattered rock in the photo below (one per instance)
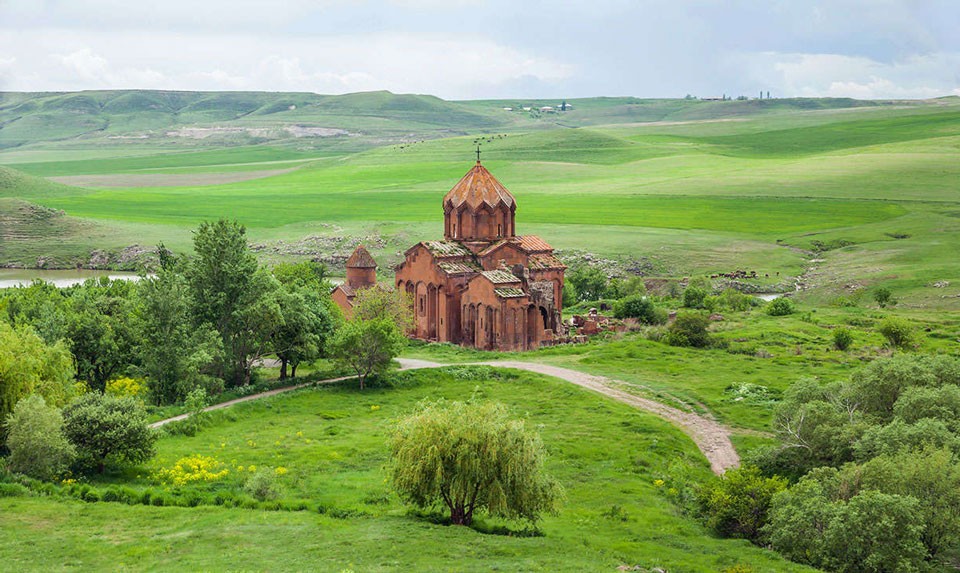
(941, 284)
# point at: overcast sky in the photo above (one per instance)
(487, 48)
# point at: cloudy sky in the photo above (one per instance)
(487, 48)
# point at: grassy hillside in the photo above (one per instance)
(332, 442)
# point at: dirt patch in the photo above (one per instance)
(128, 180)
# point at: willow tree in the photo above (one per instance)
(470, 457)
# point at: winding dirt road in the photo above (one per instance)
(711, 437)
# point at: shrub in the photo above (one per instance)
(883, 297)
(38, 446)
(639, 307)
(694, 297)
(898, 332)
(126, 387)
(105, 428)
(780, 307)
(736, 505)
(842, 338)
(471, 456)
(192, 469)
(262, 485)
(689, 329)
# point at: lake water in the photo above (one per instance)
(769, 295)
(61, 278)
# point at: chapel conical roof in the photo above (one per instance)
(478, 187)
(361, 259)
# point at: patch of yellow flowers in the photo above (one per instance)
(123, 387)
(191, 469)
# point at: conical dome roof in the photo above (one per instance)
(361, 259)
(478, 187)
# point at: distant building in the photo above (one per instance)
(361, 274)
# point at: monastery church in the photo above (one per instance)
(483, 285)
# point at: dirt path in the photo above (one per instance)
(711, 437)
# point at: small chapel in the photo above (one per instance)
(482, 286)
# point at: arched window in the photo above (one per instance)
(499, 230)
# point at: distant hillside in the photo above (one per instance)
(176, 120)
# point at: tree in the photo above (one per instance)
(367, 346)
(308, 324)
(176, 354)
(99, 329)
(694, 297)
(736, 504)
(305, 274)
(231, 293)
(470, 457)
(380, 303)
(29, 366)
(38, 446)
(883, 296)
(106, 428)
(689, 329)
(590, 283)
(842, 338)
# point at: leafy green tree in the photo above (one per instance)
(883, 296)
(367, 346)
(694, 297)
(378, 303)
(689, 328)
(40, 305)
(100, 330)
(470, 457)
(814, 522)
(108, 429)
(590, 283)
(29, 366)
(308, 324)
(176, 354)
(736, 504)
(305, 274)
(35, 438)
(234, 295)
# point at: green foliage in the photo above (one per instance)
(29, 366)
(883, 296)
(234, 295)
(817, 523)
(589, 283)
(736, 504)
(367, 346)
(732, 299)
(640, 307)
(100, 329)
(694, 297)
(898, 332)
(472, 456)
(305, 274)
(780, 307)
(176, 354)
(35, 438)
(689, 329)
(842, 338)
(262, 485)
(395, 306)
(108, 429)
(309, 321)
(622, 288)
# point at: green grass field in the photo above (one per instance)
(332, 441)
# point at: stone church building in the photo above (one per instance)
(483, 285)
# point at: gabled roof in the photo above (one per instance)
(477, 188)
(528, 244)
(446, 249)
(361, 259)
(509, 292)
(458, 267)
(500, 276)
(347, 290)
(545, 261)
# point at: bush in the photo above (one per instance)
(898, 332)
(883, 297)
(689, 329)
(262, 485)
(639, 307)
(780, 307)
(105, 428)
(842, 338)
(126, 387)
(694, 297)
(38, 446)
(736, 505)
